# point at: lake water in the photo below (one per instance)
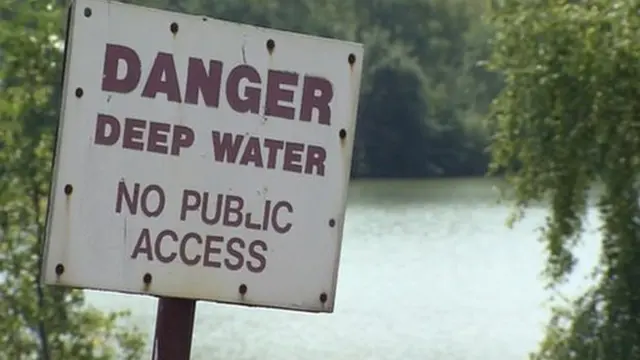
(428, 271)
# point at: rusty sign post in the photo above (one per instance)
(199, 159)
(174, 329)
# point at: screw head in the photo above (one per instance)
(79, 92)
(68, 189)
(323, 298)
(342, 133)
(242, 289)
(332, 222)
(351, 59)
(147, 278)
(271, 45)
(87, 12)
(174, 28)
(59, 269)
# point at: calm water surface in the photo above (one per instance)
(428, 271)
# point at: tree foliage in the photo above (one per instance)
(38, 322)
(567, 119)
(423, 94)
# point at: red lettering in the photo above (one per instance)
(210, 249)
(190, 201)
(201, 81)
(217, 212)
(252, 153)
(122, 73)
(163, 78)
(317, 94)
(316, 157)
(230, 211)
(133, 133)
(158, 137)
(281, 229)
(275, 94)
(184, 257)
(157, 248)
(249, 101)
(235, 246)
(273, 147)
(194, 249)
(132, 199)
(143, 246)
(258, 256)
(107, 130)
(114, 55)
(266, 153)
(293, 157)
(226, 147)
(233, 211)
(183, 138)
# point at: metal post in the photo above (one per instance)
(174, 329)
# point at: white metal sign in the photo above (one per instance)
(201, 159)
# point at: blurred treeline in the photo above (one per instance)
(423, 94)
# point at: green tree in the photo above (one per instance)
(38, 322)
(422, 95)
(568, 119)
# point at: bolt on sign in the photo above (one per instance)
(201, 159)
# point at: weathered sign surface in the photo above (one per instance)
(201, 159)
